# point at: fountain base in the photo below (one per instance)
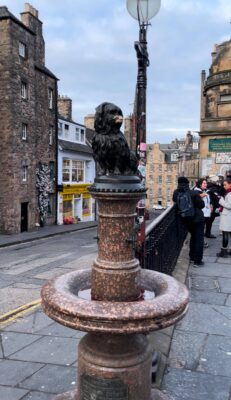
(155, 395)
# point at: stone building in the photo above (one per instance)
(28, 92)
(189, 158)
(76, 168)
(215, 128)
(161, 174)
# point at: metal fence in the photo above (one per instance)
(164, 240)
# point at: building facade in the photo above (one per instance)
(189, 158)
(161, 174)
(28, 124)
(215, 127)
(76, 168)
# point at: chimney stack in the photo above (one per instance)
(65, 107)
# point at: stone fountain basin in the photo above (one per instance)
(61, 302)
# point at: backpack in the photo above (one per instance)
(185, 205)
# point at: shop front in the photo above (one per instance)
(75, 204)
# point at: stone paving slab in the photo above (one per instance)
(52, 378)
(206, 297)
(8, 393)
(186, 348)
(13, 372)
(187, 385)
(38, 396)
(11, 342)
(216, 356)
(30, 323)
(225, 284)
(49, 350)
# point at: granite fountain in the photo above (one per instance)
(115, 301)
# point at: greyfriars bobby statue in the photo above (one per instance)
(110, 148)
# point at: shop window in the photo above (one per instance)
(86, 207)
(67, 208)
(66, 170)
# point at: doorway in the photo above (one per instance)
(24, 217)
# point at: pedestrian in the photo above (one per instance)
(214, 191)
(194, 224)
(225, 219)
(201, 187)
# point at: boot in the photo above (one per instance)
(223, 253)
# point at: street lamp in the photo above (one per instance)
(143, 11)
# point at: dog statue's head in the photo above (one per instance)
(108, 118)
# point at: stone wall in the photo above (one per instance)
(16, 153)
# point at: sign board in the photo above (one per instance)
(220, 145)
(93, 388)
(223, 158)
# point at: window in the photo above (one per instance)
(22, 49)
(24, 90)
(24, 131)
(50, 98)
(66, 170)
(77, 134)
(82, 135)
(169, 179)
(86, 207)
(160, 167)
(174, 157)
(50, 135)
(160, 179)
(24, 173)
(60, 129)
(77, 171)
(66, 131)
(73, 171)
(225, 97)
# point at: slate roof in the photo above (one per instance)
(6, 14)
(76, 147)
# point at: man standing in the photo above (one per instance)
(195, 222)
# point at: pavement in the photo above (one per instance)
(43, 232)
(38, 357)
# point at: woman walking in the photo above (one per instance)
(225, 219)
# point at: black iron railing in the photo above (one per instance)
(164, 240)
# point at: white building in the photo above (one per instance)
(76, 170)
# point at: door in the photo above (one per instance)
(24, 217)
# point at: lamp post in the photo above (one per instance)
(143, 11)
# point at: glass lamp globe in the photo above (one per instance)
(143, 10)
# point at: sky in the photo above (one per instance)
(90, 48)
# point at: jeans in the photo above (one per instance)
(196, 241)
(225, 239)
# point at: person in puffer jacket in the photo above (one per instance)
(225, 219)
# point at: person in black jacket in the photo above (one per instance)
(195, 225)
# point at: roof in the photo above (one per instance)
(89, 134)
(46, 71)
(76, 147)
(70, 120)
(6, 14)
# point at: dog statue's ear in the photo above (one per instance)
(99, 117)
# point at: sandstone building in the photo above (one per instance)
(215, 128)
(28, 124)
(161, 174)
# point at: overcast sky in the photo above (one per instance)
(90, 48)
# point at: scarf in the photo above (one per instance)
(227, 191)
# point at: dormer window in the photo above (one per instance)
(82, 135)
